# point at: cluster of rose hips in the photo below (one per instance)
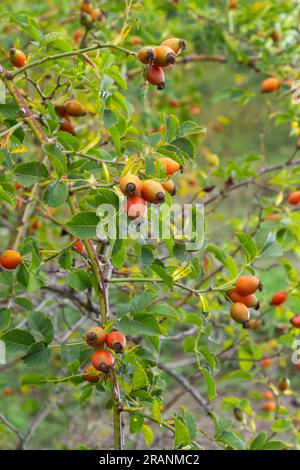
(243, 297)
(71, 108)
(102, 360)
(269, 397)
(158, 57)
(89, 14)
(10, 259)
(140, 192)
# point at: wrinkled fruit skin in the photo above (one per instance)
(247, 285)
(170, 165)
(136, 207)
(131, 185)
(95, 336)
(90, 374)
(74, 108)
(153, 191)
(164, 56)
(170, 187)
(240, 313)
(10, 259)
(102, 360)
(279, 298)
(269, 406)
(248, 300)
(156, 76)
(116, 341)
(294, 198)
(177, 45)
(146, 55)
(17, 58)
(270, 85)
(284, 384)
(295, 321)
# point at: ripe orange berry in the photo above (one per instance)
(36, 225)
(156, 76)
(78, 245)
(17, 58)
(131, 185)
(67, 126)
(136, 207)
(74, 108)
(269, 406)
(174, 103)
(298, 366)
(8, 391)
(273, 217)
(90, 374)
(248, 300)
(284, 384)
(146, 55)
(86, 6)
(116, 341)
(266, 362)
(240, 313)
(246, 285)
(153, 191)
(269, 85)
(295, 321)
(95, 336)
(164, 56)
(18, 186)
(279, 298)
(77, 36)
(268, 395)
(232, 4)
(170, 165)
(294, 198)
(135, 40)
(10, 259)
(170, 187)
(103, 360)
(177, 45)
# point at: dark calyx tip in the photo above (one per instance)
(182, 44)
(161, 86)
(171, 58)
(246, 324)
(118, 348)
(160, 197)
(91, 338)
(260, 286)
(104, 368)
(257, 306)
(12, 50)
(130, 189)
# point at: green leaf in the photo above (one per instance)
(248, 245)
(5, 318)
(110, 118)
(281, 425)
(55, 194)
(140, 378)
(33, 379)
(189, 128)
(164, 310)
(156, 410)
(232, 440)
(182, 435)
(83, 225)
(210, 383)
(17, 340)
(259, 441)
(57, 158)
(41, 325)
(4, 196)
(70, 353)
(29, 173)
(185, 147)
(80, 280)
(160, 270)
(171, 123)
(274, 445)
(148, 434)
(37, 356)
(136, 422)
